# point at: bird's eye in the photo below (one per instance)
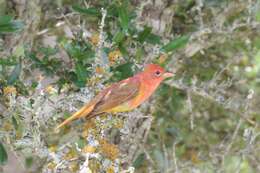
(157, 73)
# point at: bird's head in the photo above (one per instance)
(156, 72)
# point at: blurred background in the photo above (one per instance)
(56, 55)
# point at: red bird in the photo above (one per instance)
(124, 95)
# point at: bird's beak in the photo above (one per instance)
(167, 74)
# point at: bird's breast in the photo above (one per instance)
(146, 90)
(121, 108)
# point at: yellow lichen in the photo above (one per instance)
(89, 149)
(51, 165)
(100, 70)
(89, 125)
(192, 155)
(50, 89)
(70, 155)
(18, 134)
(7, 126)
(94, 39)
(53, 148)
(119, 124)
(93, 81)
(85, 133)
(9, 90)
(109, 150)
(114, 55)
(111, 169)
(94, 165)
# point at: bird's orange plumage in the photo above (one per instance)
(124, 95)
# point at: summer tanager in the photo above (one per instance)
(124, 95)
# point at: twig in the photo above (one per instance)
(100, 60)
(174, 158)
(149, 158)
(248, 98)
(233, 137)
(190, 110)
(199, 7)
(202, 93)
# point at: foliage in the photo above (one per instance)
(175, 44)
(8, 25)
(3, 154)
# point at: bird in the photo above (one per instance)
(122, 96)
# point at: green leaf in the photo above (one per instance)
(15, 74)
(144, 34)
(48, 51)
(139, 53)
(123, 17)
(257, 16)
(81, 142)
(139, 161)
(5, 19)
(79, 51)
(3, 155)
(122, 71)
(172, 131)
(8, 25)
(87, 11)
(158, 155)
(123, 50)
(15, 123)
(176, 44)
(21, 88)
(8, 62)
(153, 39)
(19, 51)
(119, 37)
(81, 73)
(29, 162)
(112, 11)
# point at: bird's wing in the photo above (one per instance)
(110, 97)
(118, 94)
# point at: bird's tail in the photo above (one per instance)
(84, 111)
